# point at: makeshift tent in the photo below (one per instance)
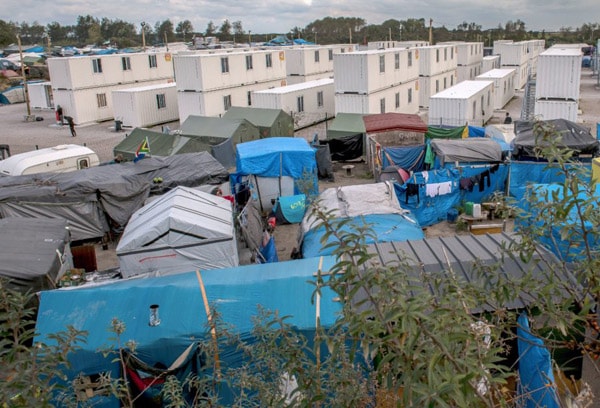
(88, 199)
(375, 205)
(290, 209)
(219, 135)
(235, 292)
(161, 144)
(572, 135)
(34, 253)
(445, 133)
(471, 150)
(345, 136)
(269, 122)
(276, 167)
(324, 165)
(183, 230)
(525, 173)
(385, 122)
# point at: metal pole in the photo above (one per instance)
(144, 35)
(25, 88)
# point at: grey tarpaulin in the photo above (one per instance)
(473, 149)
(34, 253)
(117, 190)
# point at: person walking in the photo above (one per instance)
(71, 125)
(59, 115)
(507, 119)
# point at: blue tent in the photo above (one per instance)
(271, 160)
(234, 292)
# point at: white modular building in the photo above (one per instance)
(504, 89)
(223, 69)
(146, 106)
(217, 102)
(513, 53)
(435, 59)
(437, 70)
(466, 103)
(430, 85)
(382, 45)
(309, 63)
(40, 95)
(490, 62)
(91, 104)
(468, 72)
(468, 58)
(307, 102)
(403, 98)
(559, 73)
(83, 85)
(547, 109)
(96, 71)
(364, 72)
(210, 82)
(498, 45)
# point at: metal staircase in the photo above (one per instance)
(528, 107)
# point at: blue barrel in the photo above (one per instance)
(452, 215)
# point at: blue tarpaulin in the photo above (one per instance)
(536, 379)
(407, 158)
(234, 292)
(386, 227)
(290, 208)
(523, 174)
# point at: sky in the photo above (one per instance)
(280, 16)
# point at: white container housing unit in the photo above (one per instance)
(437, 70)
(514, 53)
(468, 72)
(498, 45)
(403, 98)
(466, 103)
(83, 85)
(547, 109)
(40, 95)
(467, 53)
(382, 45)
(146, 106)
(210, 82)
(377, 81)
(559, 74)
(363, 72)
(430, 85)
(490, 62)
(504, 89)
(307, 102)
(310, 63)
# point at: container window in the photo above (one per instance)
(101, 100)
(249, 95)
(409, 95)
(97, 65)
(224, 65)
(152, 61)
(227, 102)
(397, 100)
(397, 60)
(161, 101)
(126, 63)
(410, 58)
(437, 55)
(300, 102)
(382, 63)
(269, 60)
(317, 56)
(382, 105)
(249, 62)
(330, 55)
(320, 99)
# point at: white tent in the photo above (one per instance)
(182, 231)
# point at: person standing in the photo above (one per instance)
(59, 115)
(71, 125)
(507, 119)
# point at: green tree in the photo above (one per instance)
(82, 28)
(164, 30)
(8, 32)
(57, 32)
(225, 31)
(211, 30)
(184, 27)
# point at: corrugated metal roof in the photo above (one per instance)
(464, 255)
(394, 121)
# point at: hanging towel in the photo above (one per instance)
(436, 189)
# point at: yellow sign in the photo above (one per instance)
(168, 56)
(281, 55)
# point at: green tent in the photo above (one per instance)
(160, 144)
(346, 124)
(219, 135)
(270, 122)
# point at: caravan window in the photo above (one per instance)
(83, 163)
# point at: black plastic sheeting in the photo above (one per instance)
(345, 148)
(574, 136)
(324, 165)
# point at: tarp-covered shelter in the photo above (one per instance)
(235, 292)
(92, 198)
(219, 135)
(270, 122)
(373, 204)
(183, 230)
(572, 135)
(160, 144)
(345, 136)
(277, 166)
(34, 253)
(470, 150)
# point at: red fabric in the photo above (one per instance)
(142, 383)
(394, 121)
